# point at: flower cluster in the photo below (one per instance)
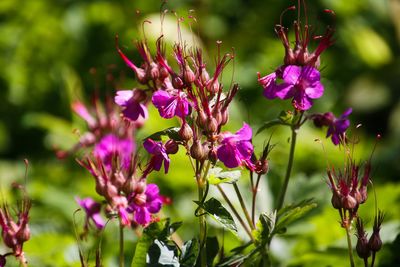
(349, 189)
(196, 99)
(15, 232)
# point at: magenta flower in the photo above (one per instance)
(170, 104)
(159, 152)
(145, 204)
(92, 210)
(130, 101)
(236, 149)
(300, 83)
(336, 126)
(111, 147)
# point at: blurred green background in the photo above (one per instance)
(53, 52)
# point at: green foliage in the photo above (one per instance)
(217, 176)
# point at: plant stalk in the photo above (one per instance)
(203, 227)
(121, 245)
(350, 248)
(242, 204)
(282, 194)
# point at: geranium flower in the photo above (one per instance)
(236, 148)
(171, 104)
(110, 147)
(92, 210)
(159, 152)
(300, 83)
(145, 204)
(130, 101)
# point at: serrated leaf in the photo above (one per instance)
(217, 176)
(290, 213)
(172, 133)
(190, 252)
(215, 209)
(162, 254)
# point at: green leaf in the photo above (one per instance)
(190, 252)
(158, 230)
(212, 248)
(215, 209)
(264, 228)
(217, 176)
(162, 254)
(172, 133)
(292, 212)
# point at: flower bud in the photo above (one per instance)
(129, 186)
(364, 194)
(186, 132)
(362, 247)
(163, 73)
(201, 118)
(140, 199)
(357, 195)
(336, 201)
(349, 202)
(204, 77)
(224, 117)
(118, 179)
(375, 242)
(211, 125)
(111, 192)
(154, 71)
(23, 234)
(197, 151)
(141, 75)
(261, 166)
(140, 187)
(213, 86)
(171, 147)
(217, 115)
(189, 75)
(177, 83)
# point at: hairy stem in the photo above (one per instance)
(350, 248)
(282, 194)
(246, 228)
(255, 190)
(242, 204)
(121, 245)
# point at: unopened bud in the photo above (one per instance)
(201, 118)
(111, 191)
(362, 248)
(154, 71)
(204, 76)
(349, 202)
(213, 86)
(261, 166)
(163, 72)
(336, 201)
(212, 155)
(217, 115)
(186, 132)
(189, 75)
(140, 199)
(364, 194)
(24, 234)
(375, 242)
(141, 76)
(171, 147)
(211, 125)
(140, 187)
(129, 186)
(177, 83)
(224, 117)
(357, 195)
(118, 179)
(197, 151)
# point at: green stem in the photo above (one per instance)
(350, 248)
(282, 194)
(245, 211)
(246, 228)
(255, 190)
(121, 245)
(203, 227)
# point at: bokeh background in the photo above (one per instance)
(54, 52)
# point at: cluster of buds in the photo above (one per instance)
(15, 232)
(101, 120)
(349, 190)
(127, 195)
(366, 247)
(197, 98)
(299, 73)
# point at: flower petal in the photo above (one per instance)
(122, 97)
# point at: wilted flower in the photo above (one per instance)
(302, 83)
(172, 103)
(336, 126)
(236, 149)
(130, 100)
(143, 204)
(92, 210)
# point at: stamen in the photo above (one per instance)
(284, 11)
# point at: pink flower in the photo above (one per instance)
(92, 210)
(130, 101)
(159, 152)
(170, 104)
(236, 149)
(111, 147)
(145, 204)
(300, 83)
